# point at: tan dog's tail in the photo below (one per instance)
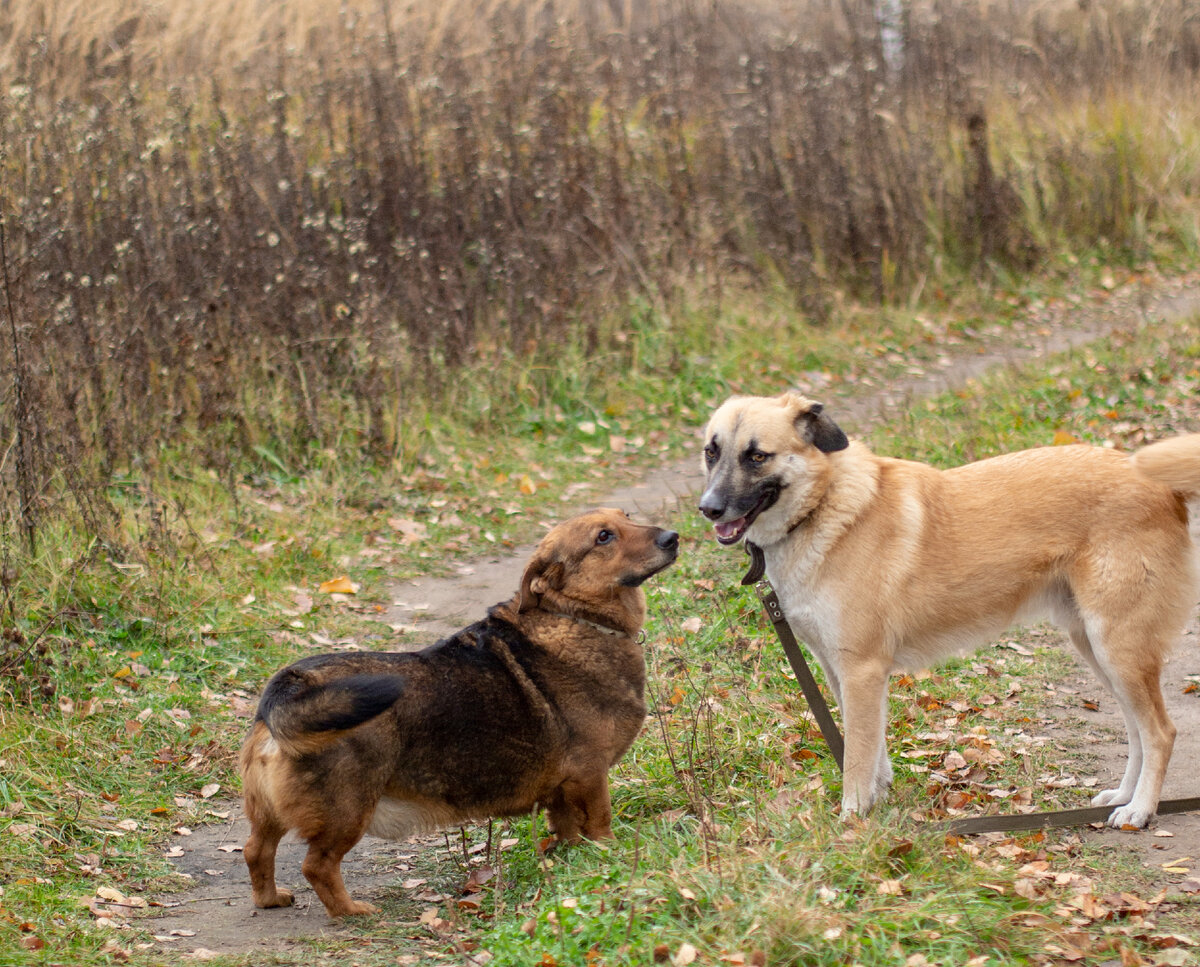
(1174, 462)
(305, 717)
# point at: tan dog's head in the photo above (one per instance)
(592, 566)
(766, 464)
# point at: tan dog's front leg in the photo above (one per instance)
(866, 770)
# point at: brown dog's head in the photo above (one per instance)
(592, 566)
(766, 461)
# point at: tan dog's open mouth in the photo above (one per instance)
(732, 531)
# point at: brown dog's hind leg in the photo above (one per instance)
(322, 868)
(259, 854)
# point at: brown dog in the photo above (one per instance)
(529, 707)
(882, 565)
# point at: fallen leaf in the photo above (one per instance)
(339, 585)
(954, 760)
(480, 875)
(410, 531)
(111, 895)
(686, 954)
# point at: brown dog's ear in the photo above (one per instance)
(814, 425)
(542, 574)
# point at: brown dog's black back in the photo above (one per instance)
(309, 703)
(485, 671)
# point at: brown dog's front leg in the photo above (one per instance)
(582, 807)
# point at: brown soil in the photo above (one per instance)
(217, 915)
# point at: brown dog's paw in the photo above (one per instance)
(282, 898)
(355, 908)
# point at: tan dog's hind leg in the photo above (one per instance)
(1151, 734)
(1133, 763)
(1141, 700)
(866, 771)
(322, 868)
(259, 854)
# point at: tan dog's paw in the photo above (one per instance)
(1131, 815)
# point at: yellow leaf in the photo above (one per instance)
(339, 585)
(527, 486)
(1062, 438)
(111, 895)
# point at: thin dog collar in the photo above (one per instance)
(603, 629)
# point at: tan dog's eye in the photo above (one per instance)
(757, 456)
(605, 537)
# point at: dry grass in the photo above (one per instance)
(239, 224)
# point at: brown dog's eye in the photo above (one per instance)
(605, 537)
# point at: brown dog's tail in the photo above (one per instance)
(1174, 462)
(305, 717)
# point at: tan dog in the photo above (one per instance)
(883, 564)
(530, 706)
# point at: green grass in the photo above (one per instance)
(133, 664)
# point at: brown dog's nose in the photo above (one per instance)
(668, 541)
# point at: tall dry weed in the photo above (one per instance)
(240, 223)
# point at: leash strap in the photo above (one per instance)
(1063, 817)
(1014, 822)
(808, 684)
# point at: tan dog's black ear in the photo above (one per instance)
(542, 574)
(815, 426)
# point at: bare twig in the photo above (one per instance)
(24, 474)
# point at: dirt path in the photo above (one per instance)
(217, 914)
(436, 606)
